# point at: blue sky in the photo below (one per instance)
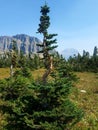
(75, 21)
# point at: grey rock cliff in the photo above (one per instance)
(24, 43)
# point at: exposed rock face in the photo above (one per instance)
(24, 43)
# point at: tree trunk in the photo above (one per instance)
(11, 71)
(48, 71)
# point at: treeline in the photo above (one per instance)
(79, 62)
(85, 62)
(31, 61)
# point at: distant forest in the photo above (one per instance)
(84, 62)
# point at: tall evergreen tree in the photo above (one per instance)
(95, 60)
(95, 52)
(48, 41)
(14, 56)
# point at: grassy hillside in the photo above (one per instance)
(85, 95)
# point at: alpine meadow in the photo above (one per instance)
(42, 90)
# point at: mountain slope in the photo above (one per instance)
(24, 43)
(69, 52)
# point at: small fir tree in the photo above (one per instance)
(95, 52)
(13, 57)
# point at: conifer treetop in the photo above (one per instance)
(44, 19)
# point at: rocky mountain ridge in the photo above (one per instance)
(24, 43)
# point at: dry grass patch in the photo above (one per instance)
(38, 73)
(4, 73)
(88, 100)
